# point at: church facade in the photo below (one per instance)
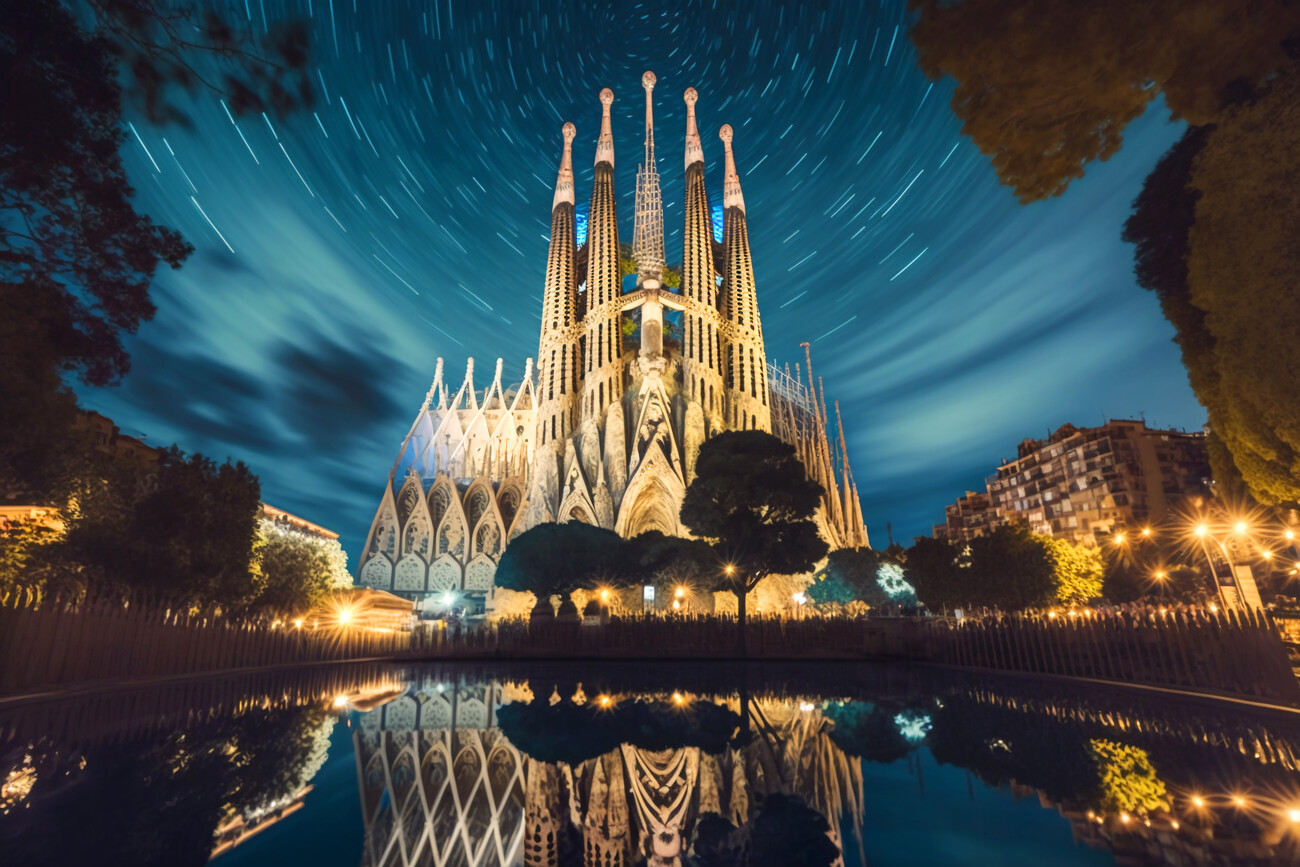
(629, 381)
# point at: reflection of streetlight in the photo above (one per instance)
(679, 592)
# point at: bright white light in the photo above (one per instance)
(890, 578)
(805, 706)
(448, 598)
(912, 725)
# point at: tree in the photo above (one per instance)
(294, 571)
(788, 833)
(187, 527)
(556, 559)
(1011, 568)
(752, 501)
(667, 561)
(849, 576)
(1214, 228)
(1046, 86)
(939, 574)
(1076, 571)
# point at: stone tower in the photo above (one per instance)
(703, 365)
(648, 231)
(557, 352)
(746, 371)
(603, 371)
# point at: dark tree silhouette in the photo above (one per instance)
(789, 833)
(556, 559)
(753, 502)
(849, 576)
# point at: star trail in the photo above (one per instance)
(405, 216)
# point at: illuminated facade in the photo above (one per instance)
(629, 382)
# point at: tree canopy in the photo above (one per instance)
(556, 559)
(753, 502)
(1046, 86)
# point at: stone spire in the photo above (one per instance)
(605, 144)
(564, 183)
(731, 194)
(694, 150)
(746, 370)
(602, 371)
(558, 364)
(648, 229)
(703, 365)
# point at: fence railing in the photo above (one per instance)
(53, 641)
(1239, 653)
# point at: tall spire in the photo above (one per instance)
(559, 368)
(602, 375)
(564, 183)
(605, 144)
(694, 150)
(731, 195)
(648, 228)
(746, 370)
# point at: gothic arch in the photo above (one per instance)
(653, 500)
(417, 537)
(578, 513)
(480, 574)
(408, 577)
(478, 502)
(409, 498)
(508, 502)
(377, 573)
(489, 537)
(441, 495)
(453, 535)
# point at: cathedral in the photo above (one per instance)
(638, 363)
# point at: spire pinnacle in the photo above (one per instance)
(648, 82)
(731, 195)
(564, 183)
(694, 150)
(605, 144)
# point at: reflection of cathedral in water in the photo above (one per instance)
(441, 785)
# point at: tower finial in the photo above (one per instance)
(731, 195)
(605, 144)
(694, 150)
(648, 82)
(564, 183)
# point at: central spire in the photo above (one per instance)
(731, 195)
(605, 144)
(648, 229)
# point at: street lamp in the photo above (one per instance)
(1228, 565)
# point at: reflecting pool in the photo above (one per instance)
(626, 765)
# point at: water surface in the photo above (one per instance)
(592, 764)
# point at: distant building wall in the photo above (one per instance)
(1082, 481)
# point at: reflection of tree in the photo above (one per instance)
(1128, 780)
(158, 799)
(868, 731)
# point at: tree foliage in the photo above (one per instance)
(753, 502)
(1046, 86)
(849, 576)
(556, 559)
(1010, 568)
(295, 572)
(185, 528)
(789, 833)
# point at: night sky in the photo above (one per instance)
(340, 251)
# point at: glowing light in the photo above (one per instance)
(340, 700)
(1174, 824)
(730, 570)
(1201, 529)
(679, 699)
(345, 616)
(604, 595)
(913, 726)
(799, 598)
(1161, 575)
(1238, 800)
(1290, 534)
(677, 605)
(604, 700)
(1051, 614)
(679, 592)
(1119, 538)
(448, 598)
(1293, 815)
(1213, 608)
(1124, 817)
(1267, 555)
(1198, 801)
(1146, 531)
(1241, 527)
(297, 624)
